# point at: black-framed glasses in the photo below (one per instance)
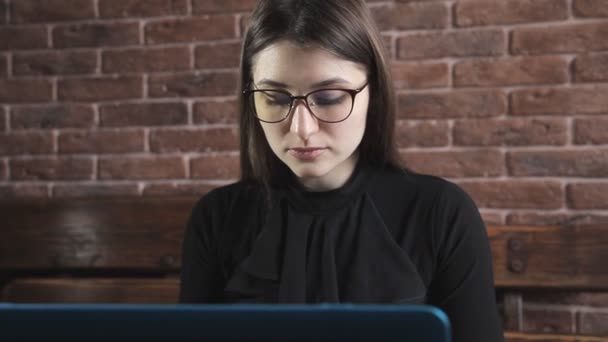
(330, 105)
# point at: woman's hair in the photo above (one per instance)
(342, 27)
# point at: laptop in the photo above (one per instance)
(232, 322)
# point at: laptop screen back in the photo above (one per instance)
(234, 322)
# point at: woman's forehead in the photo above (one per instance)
(303, 65)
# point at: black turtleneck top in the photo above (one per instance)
(386, 236)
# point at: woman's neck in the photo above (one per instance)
(334, 179)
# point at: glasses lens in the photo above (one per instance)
(330, 105)
(270, 105)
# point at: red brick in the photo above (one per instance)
(3, 114)
(590, 8)
(422, 133)
(100, 88)
(215, 167)
(553, 219)
(512, 132)
(243, 25)
(591, 68)
(18, 37)
(143, 114)
(20, 191)
(101, 142)
(52, 116)
(52, 169)
(3, 13)
(215, 112)
(146, 60)
(13, 90)
(199, 140)
(587, 195)
(516, 194)
(193, 84)
(191, 29)
(548, 320)
(511, 71)
(593, 323)
(36, 11)
(96, 34)
(158, 167)
(591, 131)
(491, 218)
(215, 6)
(180, 189)
(387, 42)
(417, 15)
(141, 8)
(559, 39)
(26, 143)
(451, 44)
(3, 170)
(3, 66)
(94, 191)
(55, 63)
(454, 104)
(563, 163)
(483, 12)
(482, 163)
(565, 101)
(420, 75)
(511, 311)
(220, 55)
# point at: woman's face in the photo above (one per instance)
(322, 155)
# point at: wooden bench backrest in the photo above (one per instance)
(128, 250)
(138, 233)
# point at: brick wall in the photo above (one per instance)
(130, 97)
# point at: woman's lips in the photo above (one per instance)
(306, 153)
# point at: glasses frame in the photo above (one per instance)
(352, 92)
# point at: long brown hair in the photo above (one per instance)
(343, 27)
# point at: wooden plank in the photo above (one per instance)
(145, 234)
(556, 257)
(522, 337)
(92, 290)
(129, 233)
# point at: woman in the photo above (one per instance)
(324, 212)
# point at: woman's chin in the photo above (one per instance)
(308, 171)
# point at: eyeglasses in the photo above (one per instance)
(330, 105)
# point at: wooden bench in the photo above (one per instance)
(127, 250)
(110, 250)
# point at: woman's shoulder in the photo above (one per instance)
(403, 193)
(430, 201)
(403, 181)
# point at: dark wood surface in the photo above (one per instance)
(523, 337)
(130, 233)
(127, 250)
(92, 290)
(558, 257)
(81, 250)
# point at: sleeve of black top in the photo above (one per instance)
(463, 283)
(201, 278)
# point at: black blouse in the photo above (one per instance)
(386, 236)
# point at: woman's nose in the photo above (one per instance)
(303, 123)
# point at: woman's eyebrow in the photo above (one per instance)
(330, 81)
(272, 83)
(335, 80)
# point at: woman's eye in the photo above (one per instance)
(277, 99)
(328, 98)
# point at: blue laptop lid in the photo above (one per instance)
(233, 322)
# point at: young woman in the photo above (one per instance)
(324, 212)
